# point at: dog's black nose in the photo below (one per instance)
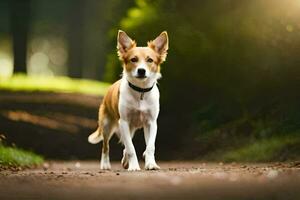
(141, 72)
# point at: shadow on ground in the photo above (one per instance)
(56, 125)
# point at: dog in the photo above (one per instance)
(132, 102)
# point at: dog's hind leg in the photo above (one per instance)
(124, 161)
(108, 127)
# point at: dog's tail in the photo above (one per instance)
(95, 137)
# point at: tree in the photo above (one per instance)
(20, 16)
(76, 37)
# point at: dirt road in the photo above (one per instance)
(176, 180)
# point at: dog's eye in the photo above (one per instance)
(134, 59)
(149, 60)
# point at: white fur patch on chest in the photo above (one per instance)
(135, 111)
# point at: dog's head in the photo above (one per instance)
(142, 63)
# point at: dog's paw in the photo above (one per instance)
(134, 168)
(151, 166)
(105, 166)
(133, 165)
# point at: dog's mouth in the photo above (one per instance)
(141, 76)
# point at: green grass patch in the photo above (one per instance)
(10, 156)
(22, 82)
(262, 150)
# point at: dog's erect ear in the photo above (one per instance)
(160, 45)
(124, 43)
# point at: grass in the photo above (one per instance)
(22, 82)
(10, 156)
(262, 150)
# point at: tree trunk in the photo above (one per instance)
(76, 39)
(20, 18)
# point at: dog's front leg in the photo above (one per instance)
(150, 130)
(127, 141)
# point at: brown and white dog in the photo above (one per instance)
(133, 101)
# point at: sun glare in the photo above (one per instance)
(6, 65)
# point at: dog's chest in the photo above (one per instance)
(135, 111)
(137, 117)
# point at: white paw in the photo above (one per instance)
(105, 163)
(151, 166)
(105, 166)
(134, 168)
(133, 165)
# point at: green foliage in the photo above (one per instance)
(269, 149)
(10, 156)
(143, 14)
(113, 67)
(21, 82)
(247, 138)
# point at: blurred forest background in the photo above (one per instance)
(231, 82)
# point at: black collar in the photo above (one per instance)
(141, 90)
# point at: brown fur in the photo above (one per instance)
(141, 53)
(110, 102)
(162, 50)
(109, 109)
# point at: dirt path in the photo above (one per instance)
(176, 180)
